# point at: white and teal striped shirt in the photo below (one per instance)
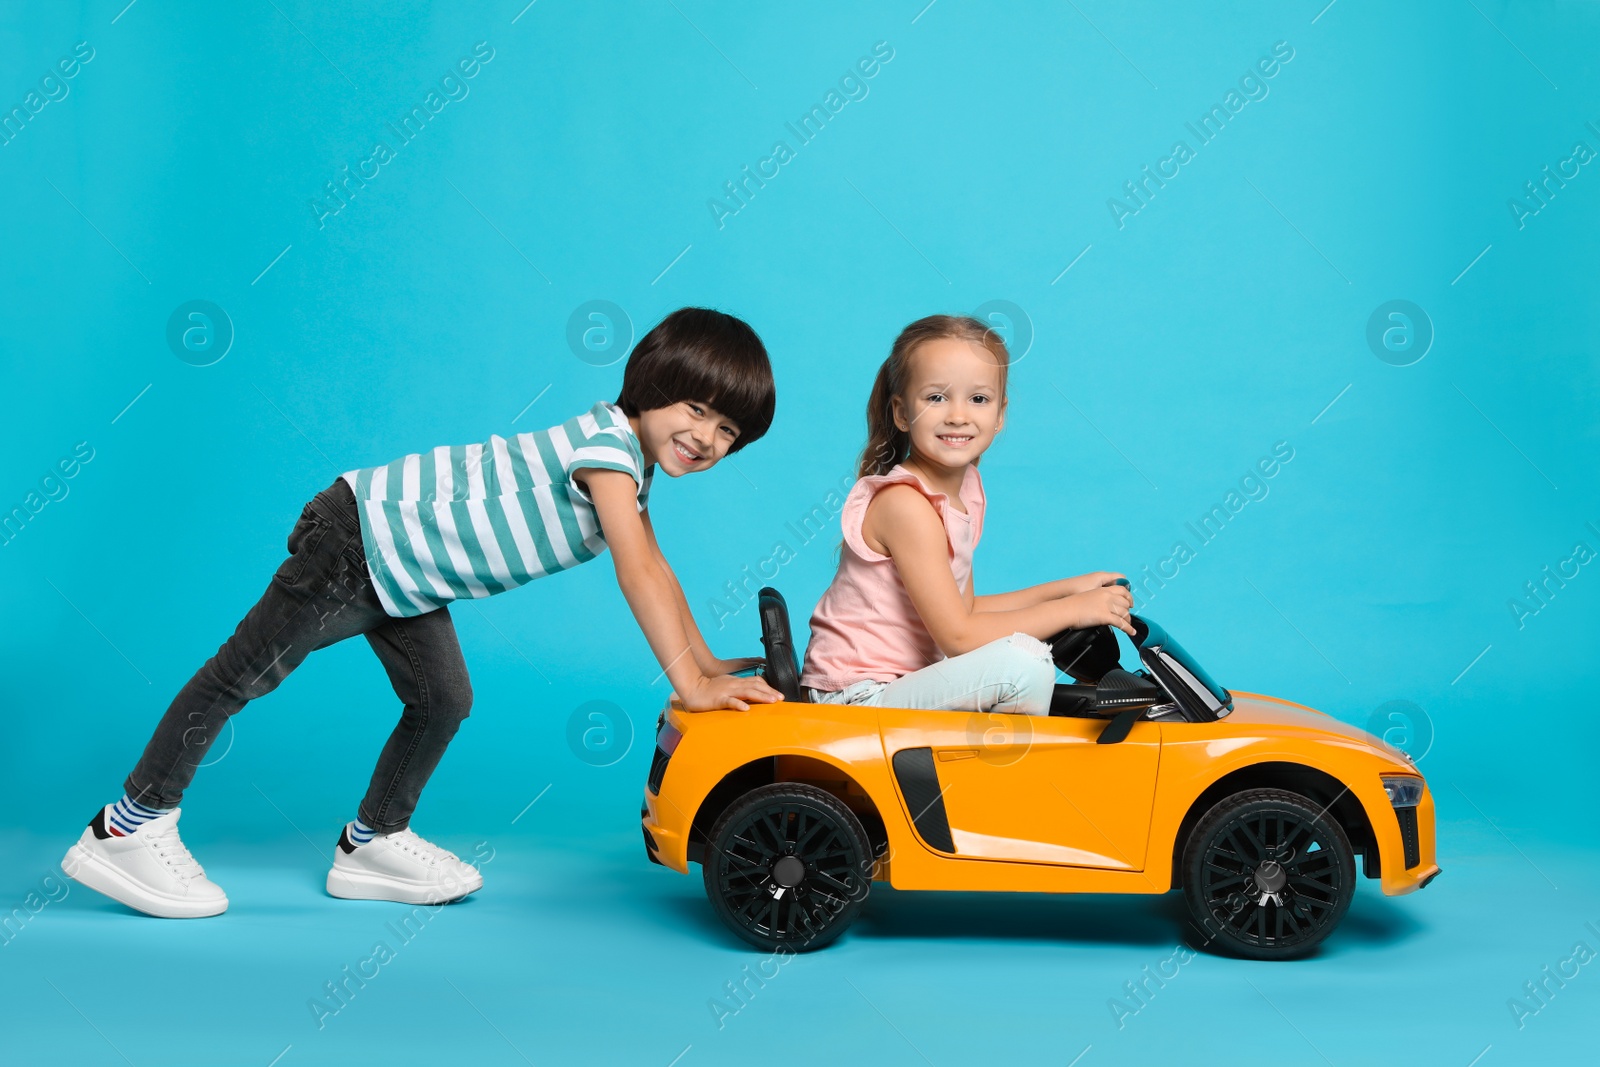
(474, 520)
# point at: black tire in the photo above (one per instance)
(787, 866)
(1267, 875)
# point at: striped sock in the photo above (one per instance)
(360, 832)
(127, 815)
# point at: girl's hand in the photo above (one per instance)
(1106, 605)
(1094, 580)
(726, 691)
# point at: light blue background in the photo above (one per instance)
(1227, 315)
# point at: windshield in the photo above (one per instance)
(1156, 642)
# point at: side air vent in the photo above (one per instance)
(914, 770)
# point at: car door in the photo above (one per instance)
(1034, 789)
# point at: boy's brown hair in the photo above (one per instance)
(705, 355)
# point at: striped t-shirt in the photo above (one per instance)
(474, 520)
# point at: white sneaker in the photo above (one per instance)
(402, 867)
(149, 870)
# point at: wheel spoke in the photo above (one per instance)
(1306, 863)
(824, 878)
(798, 826)
(825, 898)
(1297, 830)
(1329, 884)
(751, 907)
(797, 915)
(1312, 900)
(744, 867)
(743, 883)
(773, 823)
(752, 844)
(803, 912)
(1229, 874)
(803, 837)
(1251, 838)
(739, 897)
(842, 853)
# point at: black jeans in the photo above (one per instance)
(321, 594)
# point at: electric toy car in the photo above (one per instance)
(1139, 781)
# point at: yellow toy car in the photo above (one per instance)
(1137, 782)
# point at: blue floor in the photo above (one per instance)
(577, 951)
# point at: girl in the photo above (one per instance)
(901, 626)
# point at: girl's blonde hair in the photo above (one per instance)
(887, 444)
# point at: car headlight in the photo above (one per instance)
(1404, 792)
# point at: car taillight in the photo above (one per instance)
(667, 738)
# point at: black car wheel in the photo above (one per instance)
(787, 866)
(1267, 875)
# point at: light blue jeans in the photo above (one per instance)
(1012, 675)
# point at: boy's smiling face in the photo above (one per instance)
(685, 437)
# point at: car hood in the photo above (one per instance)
(1256, 709)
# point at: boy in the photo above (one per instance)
(384, 550)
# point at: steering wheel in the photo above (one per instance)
(1087, 654)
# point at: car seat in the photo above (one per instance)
(782, 670)
(1089, 656)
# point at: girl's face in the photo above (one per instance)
(952, 405)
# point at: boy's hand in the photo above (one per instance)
(726, 691)
(1106, 605)
(733, 666)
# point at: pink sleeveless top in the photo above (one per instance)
(865, 626)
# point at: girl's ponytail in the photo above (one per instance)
(887, 444)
